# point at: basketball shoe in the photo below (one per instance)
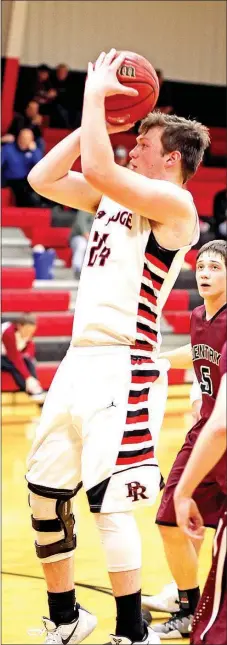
(179, 626)
(166, 601)
(150, 638)
(70, 633)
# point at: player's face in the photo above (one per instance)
(27, 331)
(147, 158)
(211, 275)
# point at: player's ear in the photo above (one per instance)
(172, 158)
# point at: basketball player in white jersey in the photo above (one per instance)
(94, 429)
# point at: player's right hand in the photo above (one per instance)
(188, 517)
(32, 385)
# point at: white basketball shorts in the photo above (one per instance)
(96, 429)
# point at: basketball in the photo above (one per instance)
(138, 73)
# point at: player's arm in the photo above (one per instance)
(180, 358)
(53, 179)
(152, 198)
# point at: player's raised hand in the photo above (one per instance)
(188, 517)
(102, 76)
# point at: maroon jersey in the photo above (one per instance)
(207, 340)
(223, 361)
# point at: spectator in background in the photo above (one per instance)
(220, 214)
(121, 155)
(30, 119)
(60, 117)
(18, 158)
(43, 91)
(18, 355)
(79, 238)
(164, 103)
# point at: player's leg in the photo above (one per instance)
(53, 480)
(113, 491)
(181, 552)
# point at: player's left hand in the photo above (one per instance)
(102, 76)
(188, 517)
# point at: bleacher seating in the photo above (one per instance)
(18, 278)
(30, 300)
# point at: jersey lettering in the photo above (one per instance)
(99, 252)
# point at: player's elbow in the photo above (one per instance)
(94, 177)
(33, 179)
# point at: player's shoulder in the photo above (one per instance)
(198, 313)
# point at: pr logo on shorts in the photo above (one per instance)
(136, 490)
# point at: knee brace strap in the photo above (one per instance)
(64, 522)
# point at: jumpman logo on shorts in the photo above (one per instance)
(112, 405)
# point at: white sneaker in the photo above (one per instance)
(71, 633)
(149, 639)
(166, 601)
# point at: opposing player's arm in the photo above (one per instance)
(180, 358)
(52, 178)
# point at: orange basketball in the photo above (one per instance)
(138, 73)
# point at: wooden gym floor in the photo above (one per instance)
(23, 592)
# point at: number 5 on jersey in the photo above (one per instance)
(99, 252)
(206, 382)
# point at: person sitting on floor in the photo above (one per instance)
(18, 355)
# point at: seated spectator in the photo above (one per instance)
(121, 155)
(18, 158)
(29, 119)
(60, 117)
(220, 214)
(43, 91)
(79, 239)
(18, 355)
(164, 102)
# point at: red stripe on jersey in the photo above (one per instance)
(148, 296)
(137, 419)
(137, 399)
(146, 274)
(123, 461)
(145, 314)
(157, 263)
(137, 439)
(146, 347)
(157, 285)
(147, 334)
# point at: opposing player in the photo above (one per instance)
(94, 427)
(208, 333)
(210, 620)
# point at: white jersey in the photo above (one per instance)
(125, 281)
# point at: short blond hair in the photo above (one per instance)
(188, 136)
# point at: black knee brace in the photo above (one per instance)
(64, 521)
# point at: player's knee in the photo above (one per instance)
(121, 541)
(171, 534)
(53, 522)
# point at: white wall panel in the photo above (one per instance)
(6, 7)
(187, 39)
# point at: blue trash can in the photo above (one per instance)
(43, 262)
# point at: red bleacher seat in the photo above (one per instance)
(51, 237)
(45, 373)
(203, 193)
(191, 258)
(30, 300)
(178, 300)
(25, 218)
(218, 146)
(206, 173)
(7, 197)
(54, 324)
(17, 278)
(179, 320)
